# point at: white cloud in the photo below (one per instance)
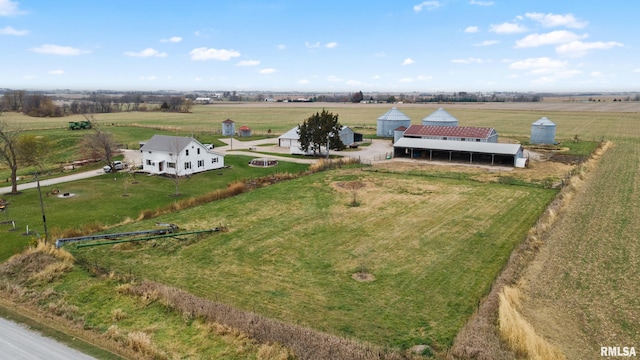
(312, 46)
(469, 60)
(56, 72)
(481, 3)
(281, 47)
(248, 63)
(173, 39)
(507, 28)
(429, 5)
(554, 37)
(58, 50)
(553, 20)
(578, 48)
(334, 79)
(8, 30)
(204, 53)
(487, 43)
(408, 61)
(9, 8)
(331, 45)
(471, 29)
(303, 81)
(29, 77)
(543, 65)
(596, 73)
(148, 52)
(148, 78)
(267, 71)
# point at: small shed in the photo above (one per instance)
(244, 131)
(543, 131)
(390, 121)
(440, 117)
(228, 128)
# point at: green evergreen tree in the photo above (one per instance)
(317, 130)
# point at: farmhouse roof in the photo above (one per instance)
(167, 143)
(440, 115)
(394, 115)
(451, 131)
(465, 146)
(543, 121)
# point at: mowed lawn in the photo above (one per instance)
(433, 246)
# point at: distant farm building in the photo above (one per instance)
(203, 100)
(543, 131)
(228, 128)
(440, 117)
(452, 133)
(390, 121)
(244, 131)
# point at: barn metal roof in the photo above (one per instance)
(440, 115)
(449, 131)
(543, 121)
(394, 115)
(465, 146)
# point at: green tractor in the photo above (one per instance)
(79, 125)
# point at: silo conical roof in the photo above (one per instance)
(543, 121)
(440, 116)
(394, 115)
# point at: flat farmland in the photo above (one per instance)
(432, 247)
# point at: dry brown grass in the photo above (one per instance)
(518, 333)
(479, 337)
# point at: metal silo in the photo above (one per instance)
(440, 117)
(543, 131)
(390, 121)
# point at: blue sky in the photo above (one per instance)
(286, 45)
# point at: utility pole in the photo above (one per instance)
(44, 219)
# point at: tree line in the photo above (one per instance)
(39, 105)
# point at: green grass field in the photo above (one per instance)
(432, 244)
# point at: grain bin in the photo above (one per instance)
(543, 131)
(390, 121)
(440, 117)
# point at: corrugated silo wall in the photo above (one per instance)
(543, 134)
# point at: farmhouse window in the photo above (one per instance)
(149, 162)
(187, 165)
(171, 165)
(186, 152)
(200, 163)
(214, 160)
(198, 150)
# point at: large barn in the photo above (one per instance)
(460, 151)
(456, 133)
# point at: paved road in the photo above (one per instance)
(17, 343)
(58, 180)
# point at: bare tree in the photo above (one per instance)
(354, 186)
(9, 152)
(34, 151)
(99, 145)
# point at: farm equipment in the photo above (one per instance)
(79, 125)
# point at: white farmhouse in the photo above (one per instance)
(177, 155)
